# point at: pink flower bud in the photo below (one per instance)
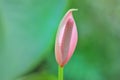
(66, 39)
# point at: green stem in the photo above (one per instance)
(60, 73)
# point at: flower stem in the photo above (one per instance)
(60, 73)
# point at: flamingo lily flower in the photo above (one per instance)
(66, 39)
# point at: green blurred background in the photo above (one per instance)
(27, 35)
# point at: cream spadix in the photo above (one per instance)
(66, 39)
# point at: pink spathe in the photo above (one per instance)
(66, 39)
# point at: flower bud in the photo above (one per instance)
(66, 39)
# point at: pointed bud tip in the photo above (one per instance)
(70, 11)
(73, 10)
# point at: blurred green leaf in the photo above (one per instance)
(29, 27)
(39, 76)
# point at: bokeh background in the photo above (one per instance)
(27, 36)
